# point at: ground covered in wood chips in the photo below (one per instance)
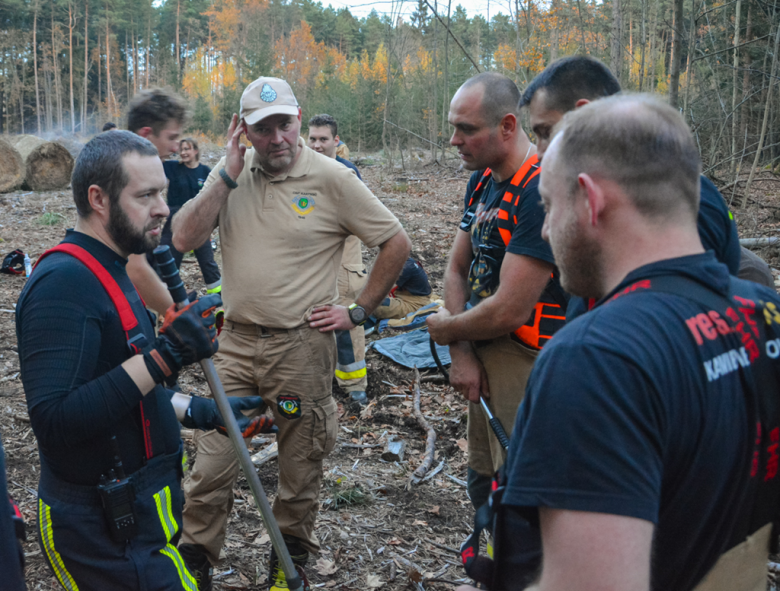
(377, 529)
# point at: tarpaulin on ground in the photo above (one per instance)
(412, 349)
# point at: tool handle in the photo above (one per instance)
(175, 285)
(499, 432)
(170, 274)
(495, 424)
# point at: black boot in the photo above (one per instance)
(198, 564)
(276, 577)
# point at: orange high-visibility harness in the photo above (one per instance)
(549, 314)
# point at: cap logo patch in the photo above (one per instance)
(268, 94)
(303, 204)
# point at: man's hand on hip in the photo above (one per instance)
(332, 317)
(234, 155)
(467, 374)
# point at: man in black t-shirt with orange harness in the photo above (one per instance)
(502, 299)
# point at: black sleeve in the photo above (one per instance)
(608, 456)
(717, 229)
(527, 237)
(60, 332)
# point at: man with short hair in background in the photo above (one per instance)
(351, 345)
(159, 116)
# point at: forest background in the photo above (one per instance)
(68, 66)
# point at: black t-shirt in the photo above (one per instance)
(626, 414)
(348, 164)
(487, 245)
(414, 279)
(71, 346)
(184, 182)
(717, 232)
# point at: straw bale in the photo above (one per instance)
(11, 167)
(48, 165)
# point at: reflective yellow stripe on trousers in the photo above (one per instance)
(47, 536)
(163, 501)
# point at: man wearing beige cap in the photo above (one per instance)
(283, 212)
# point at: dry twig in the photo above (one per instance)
(431, 443)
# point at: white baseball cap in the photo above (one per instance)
(267, 96)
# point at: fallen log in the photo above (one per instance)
(11, 167)
(47, 165)
(430, 445)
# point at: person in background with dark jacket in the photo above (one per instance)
(186, 179)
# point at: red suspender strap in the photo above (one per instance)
(126, 316)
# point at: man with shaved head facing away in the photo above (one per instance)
(502, 298)
(645, 451)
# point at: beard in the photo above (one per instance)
(129, 238)
(275, 164)
(579, 262)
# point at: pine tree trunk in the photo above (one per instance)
(178, 49)
(127, 64)
(86, 68)
(109, 90)
(445, 104)
(149, 44)
(35, 67)
(615, 46)
(689, 66)
(100, 78)
(743, 117)
(136, 86)
(71, 23)
(56, 71)
(434, 117)
(554, 34)
(767, 105)
(677, 26)
(644, 44)
(734, 121)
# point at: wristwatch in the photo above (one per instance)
(357, 314)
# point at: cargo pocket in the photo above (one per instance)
(324, 428)
(356, 279)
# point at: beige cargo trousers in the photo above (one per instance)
(292, 370)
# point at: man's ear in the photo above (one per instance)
(337, 140)
(98, 200)
(300, 113)
(508, 124)
(144, 132)
(594, 194)
(580, 103)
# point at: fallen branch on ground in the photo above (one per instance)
(431, 443)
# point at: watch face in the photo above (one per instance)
(357, 315)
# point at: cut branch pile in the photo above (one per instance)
(47, 165)
(430, 445)
(11, 167)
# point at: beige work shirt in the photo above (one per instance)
(282, 237)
